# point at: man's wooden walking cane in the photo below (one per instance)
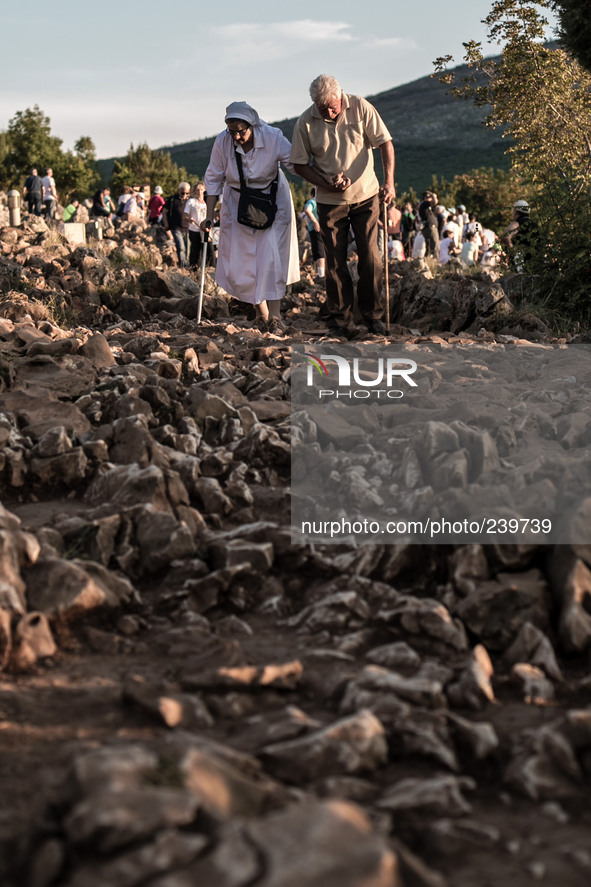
(386, 278)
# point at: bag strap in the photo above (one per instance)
(240, 170)
(274, 183)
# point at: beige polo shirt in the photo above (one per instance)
(341, 145)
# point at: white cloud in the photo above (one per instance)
(301, 30)
(240, 43)
(399, 43)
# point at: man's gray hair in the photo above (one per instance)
(184, 186)
(325, 88)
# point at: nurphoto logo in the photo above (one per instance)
(361, 381)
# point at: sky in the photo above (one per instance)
(131, 71)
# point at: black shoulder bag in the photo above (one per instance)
(256, 209)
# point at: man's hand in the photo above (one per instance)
(341, 182)
(387, 194)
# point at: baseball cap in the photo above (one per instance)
(522, 206)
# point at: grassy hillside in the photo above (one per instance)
(433, 133)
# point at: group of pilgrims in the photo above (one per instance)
(347, 208)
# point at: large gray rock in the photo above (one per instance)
(126, 486)
(38, 413)
(496, 610)
(543, 765)
(354, 745)
(423, 617)
(437, 796)
(109, 820)
(340, 851)
(62, 588)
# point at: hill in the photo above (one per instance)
(434, 134)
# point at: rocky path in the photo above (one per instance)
(186, 696)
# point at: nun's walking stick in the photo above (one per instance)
(203, 260)
(386, 279)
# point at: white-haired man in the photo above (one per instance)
(332, 148)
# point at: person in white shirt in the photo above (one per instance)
(49, 194)
(492, 257)
(447, 249)
(396, 250)
(419, 247)
(469, 254)
(462, 216)
(487, 237)
(195, 212)
(473, 227)
(452, 227)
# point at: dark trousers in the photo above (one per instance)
(431, 235)
(196, 250)
(35, 202)
(335, 223)
(317, 244)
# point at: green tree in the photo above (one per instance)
(31, 144)
(85, 149)
(575, 29)
(542, 100)
(28, 142)
(142, 166)
(4, 153)
(74, 176)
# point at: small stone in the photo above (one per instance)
(537, 870)
(556, 812)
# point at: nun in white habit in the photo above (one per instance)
(253, 265)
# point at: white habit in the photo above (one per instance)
(254, 266)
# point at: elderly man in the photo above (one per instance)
(332, 149)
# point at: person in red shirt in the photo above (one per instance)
(155, 206)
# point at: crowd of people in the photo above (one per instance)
(257, 245)
(427, 229)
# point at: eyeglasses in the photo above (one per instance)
(238, 132)
(184, 193)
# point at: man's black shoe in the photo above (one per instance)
(375, 327)
(343, 332)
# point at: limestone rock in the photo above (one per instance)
(474, 688)
(354, 745)
(415, 689)
(168, 851)
(495, 610)
(533, 683)
(437, 796)
(422, 617)
(109, 820)
(532, 645)
(33, 640)
(61, 588)
(543, 765)
(398, 656)
(571, 585)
